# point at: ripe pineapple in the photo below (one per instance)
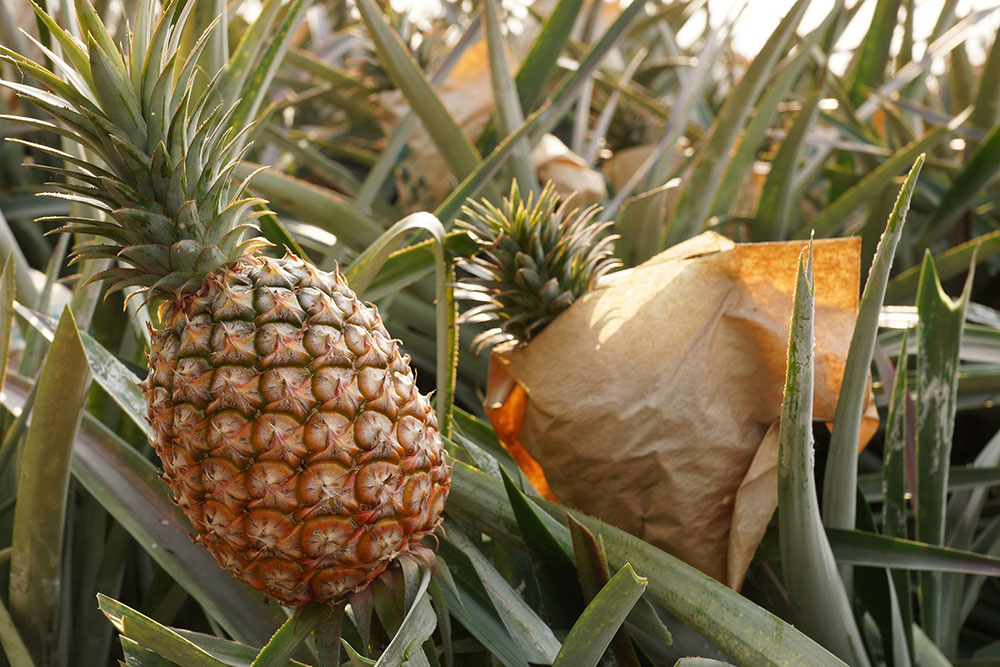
(536, 258)
(288, 422)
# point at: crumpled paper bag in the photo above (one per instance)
(554, 161)
(423, 178)
(653, 402)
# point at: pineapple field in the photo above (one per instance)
(473, 333)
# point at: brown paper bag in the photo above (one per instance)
(554, 161)
(653, 401)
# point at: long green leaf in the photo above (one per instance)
(960, 478)
(557, 577)
(939, 338)
(140, 657)
(532, 635)
(589, 559)
(407, 266)
(700, 186)
(355, 659)
(452, 144)
(986, 107)
(35, 568)
(893, 478)
(564, 95)
(988, 541)
(367, 265)
(925, 652)
(592, 569)
(742, 161)
(313, 204)
(982, 168)
(91, 25)
(216, 53)
(876, 592)
(116, 94)
(481, 620)
(154, 637)
(254, 90)
(859, 547)
(113, 376)
(26, 290)
(387, 159)
(596, 627)
(416, 627)
(965, 530)
(228, 651)
(541, 60)
(69, 45)
(961, 78)
(949, 264)
(13, 646)
(744, 631)
(774, 210)
(247, 52)
(127, 486)
(835, 215)
(6, 313)
(938, 48)
(508, 106)
(810, 573)
(290, 636)
(109, 556)
(841, 480)
(873, 56)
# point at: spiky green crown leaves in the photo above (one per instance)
(536, 259)
(160, 139)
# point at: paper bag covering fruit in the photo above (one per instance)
(653, 401)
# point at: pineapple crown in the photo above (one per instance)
(536, 258)
(156, 142)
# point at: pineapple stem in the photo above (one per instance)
(328, 637)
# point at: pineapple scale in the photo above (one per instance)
(291, 430)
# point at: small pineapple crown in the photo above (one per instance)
(536, 258)
(158, 141)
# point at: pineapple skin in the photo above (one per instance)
(291, 430)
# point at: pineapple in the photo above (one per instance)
(288, 422)
(536, 258)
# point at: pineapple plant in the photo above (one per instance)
(537, 256)
(287, 420)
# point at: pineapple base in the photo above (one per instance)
(291, 430)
